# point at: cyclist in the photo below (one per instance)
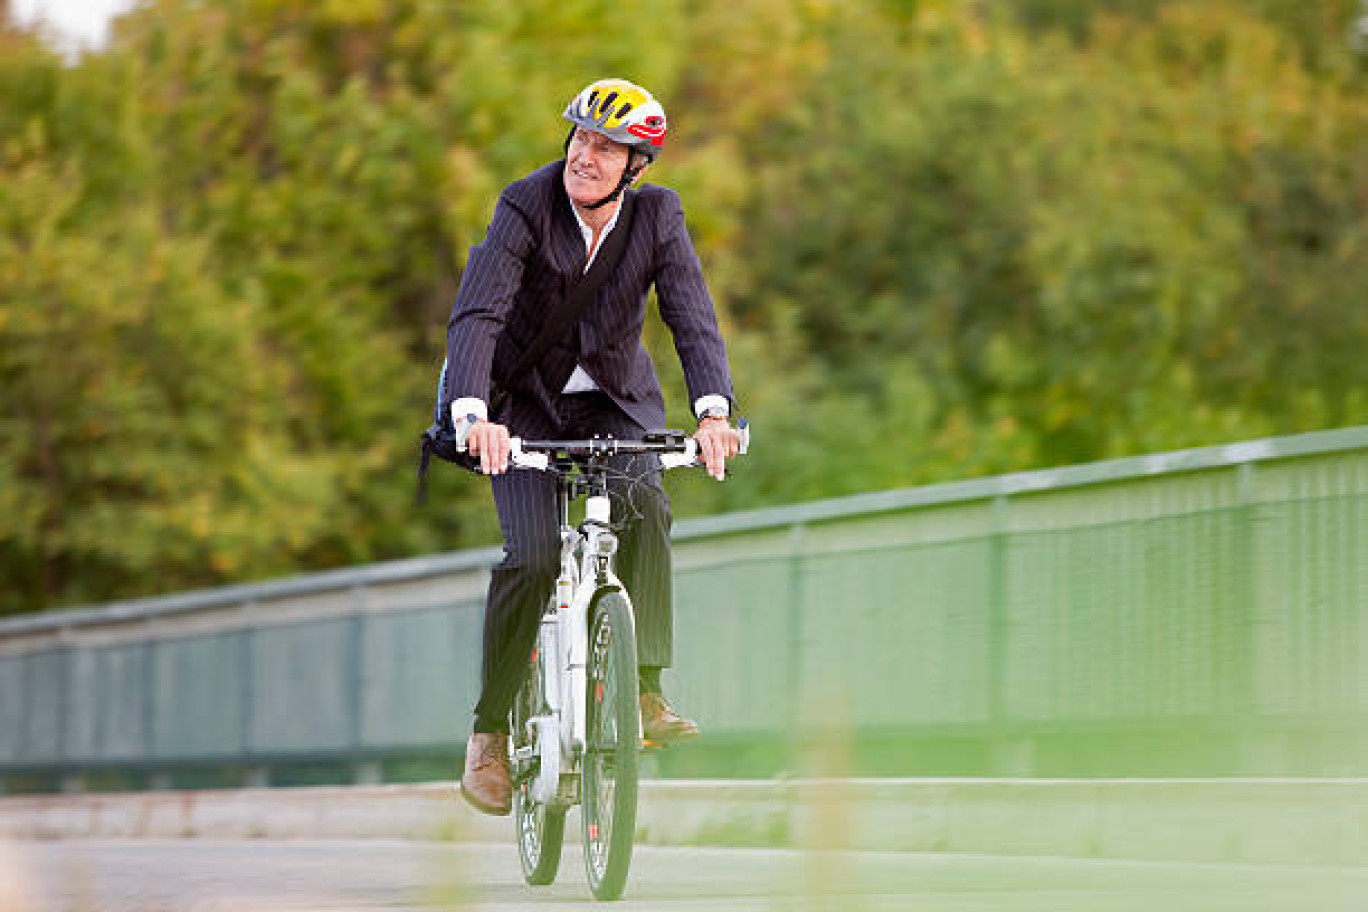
(547, 228)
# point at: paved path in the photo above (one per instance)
(262, 876)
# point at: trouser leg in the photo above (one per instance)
(518, 589)
(643, 559)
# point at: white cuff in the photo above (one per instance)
(468, 405)
(703, 403)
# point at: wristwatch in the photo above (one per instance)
(712, 411)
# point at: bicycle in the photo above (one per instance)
(576, 723)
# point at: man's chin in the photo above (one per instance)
(584, 202)
(582, 195)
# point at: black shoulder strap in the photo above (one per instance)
(581, 293)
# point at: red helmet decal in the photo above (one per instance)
(653, 129)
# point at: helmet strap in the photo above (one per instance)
(629, 174)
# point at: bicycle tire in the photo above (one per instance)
(538, 828)
(609, 794)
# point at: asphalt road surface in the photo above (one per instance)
(262, 876)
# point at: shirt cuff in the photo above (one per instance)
(703, 403)
(468, 405)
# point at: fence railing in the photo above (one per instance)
(1193, 613)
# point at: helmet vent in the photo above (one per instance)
(623, 112)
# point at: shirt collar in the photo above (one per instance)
(588, 233)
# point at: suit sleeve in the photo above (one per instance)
(687, 308)
(489, 284)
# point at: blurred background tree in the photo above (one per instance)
(946, 239)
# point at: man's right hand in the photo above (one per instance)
(489, 441)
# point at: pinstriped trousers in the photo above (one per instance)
(521, 584)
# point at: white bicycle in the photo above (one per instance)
(576, 722)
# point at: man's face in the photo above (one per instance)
(593, 166)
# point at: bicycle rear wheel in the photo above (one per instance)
(609, 795)
(539, 828)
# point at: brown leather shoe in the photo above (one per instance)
(487, 783)
(662, 724)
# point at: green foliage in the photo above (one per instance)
(944, 241)
(1066, 247)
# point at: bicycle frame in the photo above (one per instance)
(586, 572)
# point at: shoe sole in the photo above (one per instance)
(490, 809)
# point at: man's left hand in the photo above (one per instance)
(718, 441)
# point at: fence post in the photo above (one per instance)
(247, 667)
(65, 669)
(149, 708)
(364, 772)
(1256, 753)
(794, 647)
(98, 656)
(1013, 753)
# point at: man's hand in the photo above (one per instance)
(489, 441)
(718, 441)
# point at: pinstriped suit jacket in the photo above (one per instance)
(531, 254)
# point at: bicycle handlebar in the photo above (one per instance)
(674, 452)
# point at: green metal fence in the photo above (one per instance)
(1193, 613)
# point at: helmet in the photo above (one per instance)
(622, 111)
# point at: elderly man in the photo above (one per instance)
(547, 230)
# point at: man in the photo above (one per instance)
(546, 231)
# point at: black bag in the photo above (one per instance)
(440, 439)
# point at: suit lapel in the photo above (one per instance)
(567, 244)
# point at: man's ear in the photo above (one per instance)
(640, 164)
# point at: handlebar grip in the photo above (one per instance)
(679, 460)
(463, 431)
(517, 457)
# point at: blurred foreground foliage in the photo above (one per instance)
(945, 240)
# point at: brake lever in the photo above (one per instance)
(679, 460)
(690, 454)
(517, 457)
(463, 430)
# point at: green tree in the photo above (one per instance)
(945, 239)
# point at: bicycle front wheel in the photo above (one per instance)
(539, 828)
(609, 795)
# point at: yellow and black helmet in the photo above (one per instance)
(622, 111)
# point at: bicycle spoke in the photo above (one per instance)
(609, 810)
